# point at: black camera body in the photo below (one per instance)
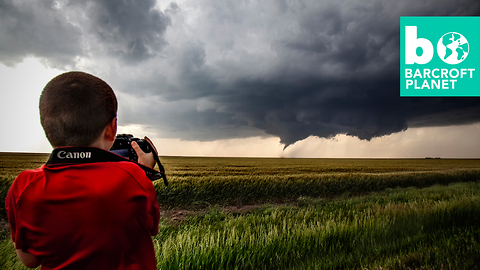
(123, 147)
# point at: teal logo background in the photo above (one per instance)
(440, 56)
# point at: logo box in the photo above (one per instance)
(440, 56)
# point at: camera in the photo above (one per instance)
(123, 147)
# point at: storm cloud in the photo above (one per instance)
(208, 70)
(62, 32)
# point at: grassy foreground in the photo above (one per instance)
(341, 214)
(431, 228)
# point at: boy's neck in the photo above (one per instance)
(107, 138)
(102, 144)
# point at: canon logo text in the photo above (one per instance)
(73, 155)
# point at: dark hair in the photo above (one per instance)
(75, 107)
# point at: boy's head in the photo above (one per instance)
(75, 108)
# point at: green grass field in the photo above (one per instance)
(307, 214)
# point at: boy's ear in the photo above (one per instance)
(111, 130)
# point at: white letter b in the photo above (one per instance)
(411, 45)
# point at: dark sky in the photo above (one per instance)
(208, 70)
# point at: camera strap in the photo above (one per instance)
(71, 155)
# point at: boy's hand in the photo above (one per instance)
(143, 158)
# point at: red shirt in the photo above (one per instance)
(85, 216)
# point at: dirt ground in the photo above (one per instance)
(4, 225)
(178, 215)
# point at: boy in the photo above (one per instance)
(81, 212)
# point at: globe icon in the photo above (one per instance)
(452, 48)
